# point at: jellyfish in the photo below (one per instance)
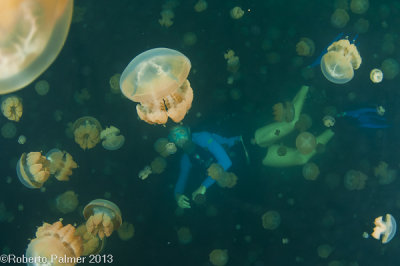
(166, 19)
(359, 6)
(158, 165)
(305, 47)
(157, 79)
(232, 61)
(67, 202)
(310, 171)
(215, 171)
(92, 244)
(305, 143)
(111, 139)
(236, 12)
(33, 169)
(8, 130)
(184, 235)
(283, 112)
(339, 63)
(102, 217)
(126, 231)
(11, 107)
(390, 68)
(227, 180)
(376, 75)
(56, 242)
(384, 230)
(339, 18)
(324, 250)
(164, 147)
(271, 220)
(21, 139)
(114, 83)
(87, 132)
(200, 6)
(384, 174)
(33, 33)
(304, 122)
(361, 25)
(219, 257)
(61, 164)
(42, 87)
(355, 180)
(145, 172)
(328, 120)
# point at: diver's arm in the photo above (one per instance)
(357, 113)
(183, 175)
(222, 140)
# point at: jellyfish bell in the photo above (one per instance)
(339, 63)
(111, 139)
(157, 80)
(305, 143)
(32, 35)
(92, 244)
(33, 169)
(384, 230)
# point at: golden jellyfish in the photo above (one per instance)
(61, 164)
(114, 83)
(21, 139)
(355, 180)
(232, 61)
(339, 63)
(143, 174)
(8, 130)
(87, 132)
(42, 87)
(339, 18)
(158, 165)
(111, 139)
(359, 6)
(384, 174)
(33, 169)
(67, 202)
(390, 68)
(56, 243)
(11, 107)
(215, 171)
(33, 33)
(200, 6)
(271, 220)
(227, 180)
(126, 231)
(306, 143)
(219, 257)
(184, 235)
(376, 75)
(283, 112)
(157, 79)
(310, 171)
(384, 230)
(92, 244)
(305, 47)
(236, 12)
(164, 147)
(304, 122)
(328, 120)
(102, 217)
(166, 19)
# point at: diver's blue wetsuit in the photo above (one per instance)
(367, 118)
(212, 142)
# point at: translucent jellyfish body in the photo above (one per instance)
(219, 257)
(305, 143)
(236, 12)
(92, 244)
(103, 217)
(145, 172)
(32, 35)
(283, 112)
(11, 107)
(157, 79)
(376, 75)
(271, 220)
(164, 147)
(67, 202)
(87, 132)
(42, 87)
(339, 63)
(55, 241)
(61, 164)
(355, 180)
(384, 230)
(33, 169)
(111, 139)
(310, 171)
(227, 180)
(158, 165)
(339, 18)
(305, 47)
(359, 6)
(126, 231)
(184, 235)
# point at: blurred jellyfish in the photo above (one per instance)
(355, 180)
(390, 68)
(310, 171)
(324, 251)
(227, 180)
(61, 164)
(339, 63)
(67, 202)
(111, 139)
(359, 6)
(55, 242)
(219, 257)
(167, 16)
(157, 79)
(5, 216)
(87, 132)
(102, 217)
(283, 112)
(92, 244)
(384, 174)
(232, 61)
(189, 39)
(21, 139)
(82, 96)
(329, 121)
(304, 122)
(339, 18)
(215, 171)
(184, 235)
(376, 75)
(158, 165)
(236, 12)
(361, 25)
(8, 130)
(235, 94)
(114, 83)
(126, 231)
(200, 6)
(305, 143)
(271, 220)
(33, 169)
(145, 172)
(42, 87)
(305, 47)
(384, 230)
(164, 147)
(11, 107)
(33, 33)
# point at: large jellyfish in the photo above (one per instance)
(157, 79)
(32, 35)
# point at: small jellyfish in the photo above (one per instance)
(355, 180)
(164, 147)
(227, 180)
(361, 25)
(219, 257)
(339, 63)
(11, 107)
(102, 217)
(304, 123)
(32, 35)
(339, 18)
(215, 171)
(126, 231)
(42, 87)
(8, 130)
(271, 220)
(310, 171)
(184, 235)
(200, 6)
(21, 139)
(67, 202)
(283, 112)
(189, 39)
(232, 61)
(111, 139)
(92, 244)
(145, 172)
(359, 6)
(329, 121)
(305, 47)
(167, 16)
(61, 164)
(33, 169)
(390, 68)
(87, 132)
(384, 230)
(376, 75)
(324, 251)
(305, 143)
(157, 79)
(236, 12)
(55, 242)
(114, 83)
(158, 165)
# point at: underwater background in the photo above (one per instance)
(106, 35)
